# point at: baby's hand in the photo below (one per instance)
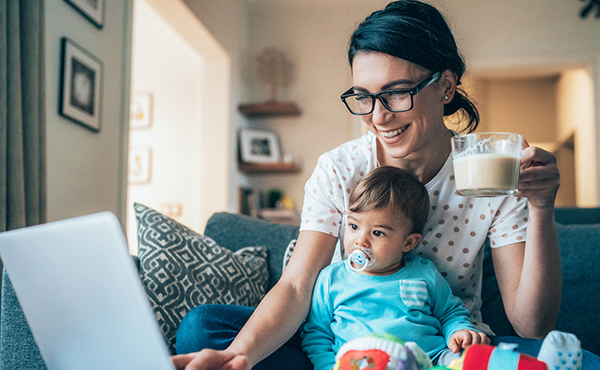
(463, 338)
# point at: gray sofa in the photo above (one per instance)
(579, 238)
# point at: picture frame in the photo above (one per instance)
(80, 98)
(140, 165)
(93, 10)
(259, 146)
(140, 111)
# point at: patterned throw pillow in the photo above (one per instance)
(288, 253)
(181, 269)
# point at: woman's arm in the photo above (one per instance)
(529, 274)
(278, 316)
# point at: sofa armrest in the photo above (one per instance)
(18, 349)
(580, 258)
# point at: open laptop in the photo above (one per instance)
(82, 296)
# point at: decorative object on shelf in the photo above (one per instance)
(140, 165)
(91, 9)
(80, 88)
(587, 9)
(259, 146)
(274, 196)
(140, 111)
(274, 69)
(249, 201)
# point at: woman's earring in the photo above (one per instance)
(446, 97)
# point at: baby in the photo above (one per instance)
(377, 289)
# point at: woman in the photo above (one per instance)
(407, 48)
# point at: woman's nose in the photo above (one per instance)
(380, 115)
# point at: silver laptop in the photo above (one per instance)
(82, 296)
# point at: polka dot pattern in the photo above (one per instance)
(456, 229)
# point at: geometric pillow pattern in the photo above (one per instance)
(181, 269)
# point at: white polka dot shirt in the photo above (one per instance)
(454, 233)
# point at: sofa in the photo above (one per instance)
(578, 233)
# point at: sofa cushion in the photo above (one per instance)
(181, 269)
(580, 258)
(234, 231)
(18, 348)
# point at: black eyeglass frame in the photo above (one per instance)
(412, 92)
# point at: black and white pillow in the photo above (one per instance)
(288, 253)
(181, 269)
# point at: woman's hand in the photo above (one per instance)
(209, 359)
(461, 339)
(539, 178)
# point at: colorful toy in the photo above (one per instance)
(381, 352)
(485, 357)
(559, 351)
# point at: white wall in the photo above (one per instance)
(226, 20)
(86, 170)
(187, 72)
(171, 70)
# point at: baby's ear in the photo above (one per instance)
(411, 241)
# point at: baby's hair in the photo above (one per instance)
(395, 188)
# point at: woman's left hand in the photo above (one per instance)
(539, 178)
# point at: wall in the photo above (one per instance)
(187, 71)
(166, 66)
(521, 106)
(226, 20)
(86, 170)
(576, 118)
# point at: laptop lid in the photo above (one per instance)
(82, 296)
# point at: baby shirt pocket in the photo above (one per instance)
(413, 293)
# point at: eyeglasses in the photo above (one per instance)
(393, 100)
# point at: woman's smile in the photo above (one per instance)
(392, 134)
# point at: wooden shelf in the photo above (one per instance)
(269, 167)
(269, 109)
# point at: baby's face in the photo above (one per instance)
(384, 236)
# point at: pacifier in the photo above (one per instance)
(359, 258)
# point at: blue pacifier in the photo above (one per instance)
(359, 258)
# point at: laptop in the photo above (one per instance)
(82, 296)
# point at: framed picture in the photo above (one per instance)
(80, 85)
(91, 9)
(140, 111)
(258, 146)
(140, 165)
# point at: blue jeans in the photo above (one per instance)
(215, 327)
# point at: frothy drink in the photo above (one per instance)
(487, 164)
(486, 174)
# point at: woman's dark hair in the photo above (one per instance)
(416, 32)
(395, 188)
